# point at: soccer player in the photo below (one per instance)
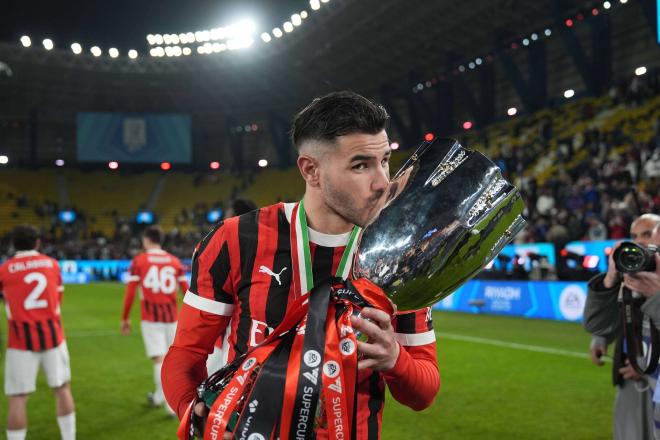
(32, 286)
(157, 273)
(242, 271)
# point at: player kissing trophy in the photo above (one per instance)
(448, 214)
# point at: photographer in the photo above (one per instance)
(633, 404)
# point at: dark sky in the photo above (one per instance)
(125, 23)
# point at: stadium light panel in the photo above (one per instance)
(607, 5)
(478, 61)
(151, 39)
(428, 137)
(534, 37)
(175, 39)
(467, 125)
(641, 70)
(26, 41)
(113, 52)
(623, 2)
(547, 32)
(265, 36)
(76, 48)
(158, 38)
(263, 163)
(296, 20)
(303, 14)
(214, 165)
(4, 160)
(277, 32)
(525, 42)
(288, 27)
(59, 163)
(48, 44)
(177, 51)
(394, 145)
(461, 68)
(132, 54)
(186, 51)
(201, 50)
(325, 1)
(315, 5)
(512, 111)
(113, 165)
(569, 93)
(96, 51)
(167, 39)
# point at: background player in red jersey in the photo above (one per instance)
(157, 273)
(32, 286)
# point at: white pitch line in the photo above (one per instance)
(517, 346)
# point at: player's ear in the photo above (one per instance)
(309, 169)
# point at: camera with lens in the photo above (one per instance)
(630, 257)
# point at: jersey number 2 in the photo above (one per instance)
(32, 301)
(161, 281)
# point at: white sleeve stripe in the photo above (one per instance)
(133, 278)
(60, 288)
(208, 305)
(415, 339)
(183, 278)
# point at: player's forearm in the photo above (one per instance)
(415, 380)
(128, 300)
(183, 370)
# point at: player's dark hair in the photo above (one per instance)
(337, 114)
(154, 234)
(25, 237)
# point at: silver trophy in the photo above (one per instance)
(450, 213)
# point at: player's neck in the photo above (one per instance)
(322, 218)
(152, 247)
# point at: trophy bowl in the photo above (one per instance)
(452, 212)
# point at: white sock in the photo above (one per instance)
(159, 397)
(16, 434)
(67, 426)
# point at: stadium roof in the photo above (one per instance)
(358, 44)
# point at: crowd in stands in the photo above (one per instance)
(604, 174)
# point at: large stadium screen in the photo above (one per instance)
(138, 138)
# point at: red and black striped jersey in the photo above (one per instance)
(242, 284)
(32, 286)
(158, 274)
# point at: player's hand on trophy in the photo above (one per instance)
(646, 283)
(381, 350)
(125, 327)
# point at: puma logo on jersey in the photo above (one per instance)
(267, 271)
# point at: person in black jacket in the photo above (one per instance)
(633, 416)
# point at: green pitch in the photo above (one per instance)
(502, 378)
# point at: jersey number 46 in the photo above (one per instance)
(161, 279)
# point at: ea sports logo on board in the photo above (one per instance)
(571, 302)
